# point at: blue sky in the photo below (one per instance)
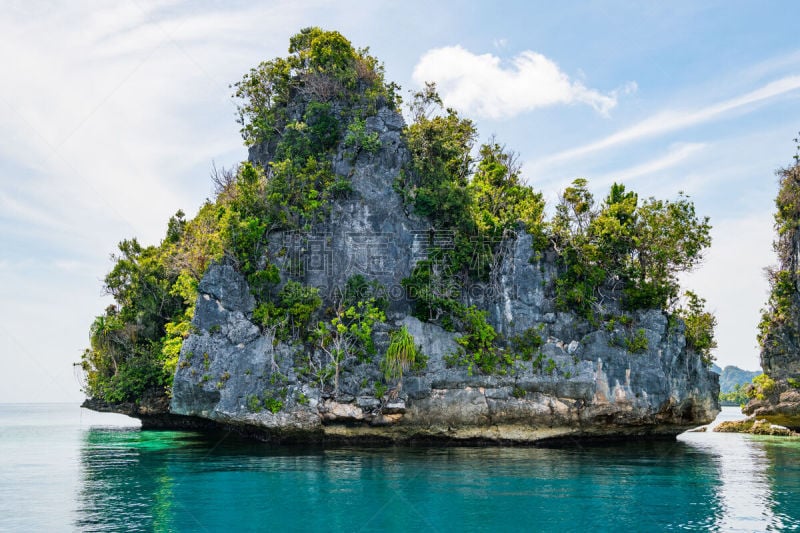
(112, 113)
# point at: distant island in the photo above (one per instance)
(733, 383)
(361, 278)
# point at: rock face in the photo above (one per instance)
(152, 410)
(779, 401)
(370, 233)
(581, 382)
(590, 386)
(781, 407)
(754, 427)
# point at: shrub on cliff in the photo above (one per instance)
(700, 326)
(322, 67)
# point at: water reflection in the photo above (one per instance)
(125, 484)
(143, 480)
(128, 479)
(783, 475)
(744, 492)
(756, 492)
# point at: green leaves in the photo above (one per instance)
(440, 165)
(500, 202)
(348, 335)
(738, 396)
(300, 110)
(642, 245)
(322, 67)
(763, 386)
(289, 312)
(637, 343)
(323, 127)
(639, 247)
(527, 344)
(669, 238)
(264, 93)
(358, 139)
(700, 326)
(477, 344)
(401, 355)
(135, 344)
(477, 213)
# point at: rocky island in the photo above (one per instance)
(359, 278)
(775, 395)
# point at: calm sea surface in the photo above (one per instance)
(64, 468)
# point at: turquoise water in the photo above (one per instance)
(63, 468)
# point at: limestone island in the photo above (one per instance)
(364, 277)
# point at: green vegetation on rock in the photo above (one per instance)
(700, 326)
(633, 248)
(303, 116)
(738, 396)
(774, 394)
(348, 335)
(754, 427)
(134, 344)
(640, 247)
(322, 67)
(763, 387)
(401, 355)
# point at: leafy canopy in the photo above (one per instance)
(640, 247)
(700, 326)
(322, 67)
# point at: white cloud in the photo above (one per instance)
(103, 121)
(22, 211)
(667, 121)
(675, 155)
(69, 265)
(482, 85)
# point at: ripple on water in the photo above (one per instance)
(126, 478)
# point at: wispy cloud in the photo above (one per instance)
(668, 121)
(500, 43)
(101, 117)
(653, 177)
(676, 154)
(25, 212)
(483, 86)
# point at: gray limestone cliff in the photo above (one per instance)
(778, 399)
(582, 382)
